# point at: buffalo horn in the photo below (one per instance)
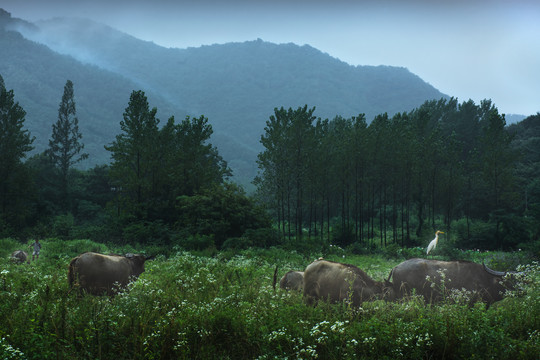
(494, 272)
(275, 278)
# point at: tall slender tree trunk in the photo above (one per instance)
(288, 212)
(328, 216)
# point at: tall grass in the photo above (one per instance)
(224, 307)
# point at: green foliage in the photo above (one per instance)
(358, 248)
(62, 225)
(474, 234)
(8, 245)
(153, 167)
(342, 235)
(59, 248)
(193, 163)
(197, 307)
(222, 211)
(133, 154)
(396, 180)
(145, 232)
(15, 143)
(289, 143)
(8, 352)
(263, 237)
(240, 243)
(64, 145)
(197, 242)
(416, 252)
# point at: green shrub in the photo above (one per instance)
(97, 233)
(479, 236)
(9, 245)
(263, 237)
(240, 243)
(413, 252)
(342, 235)
(66, 249)
(393, 251)
(513, 231)
(8, 352)
(365, 248)
(62, 225)
(147, 232)
(197, 242)
(531, 247)
(504, 261)
(305, 245)
(5, 229)
(41, 230)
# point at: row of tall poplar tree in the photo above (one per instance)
(394, 180)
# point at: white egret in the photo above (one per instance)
(433, 242)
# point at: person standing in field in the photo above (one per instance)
(37, 248)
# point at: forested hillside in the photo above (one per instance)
(234, 85)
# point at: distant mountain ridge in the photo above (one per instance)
(236, 85)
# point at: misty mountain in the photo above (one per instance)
(38, 74)
(236, 85)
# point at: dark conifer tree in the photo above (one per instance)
(134, 155)
(15, 142)
(65, 145)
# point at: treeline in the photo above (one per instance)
(443, 165)
(165, 184)
(448, 166)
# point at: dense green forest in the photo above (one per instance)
(164, 184)
(444, 165)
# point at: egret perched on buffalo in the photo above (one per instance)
(433, 242)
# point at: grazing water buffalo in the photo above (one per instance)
(97, 274)
(434, 280)
(19, 257)
(293, 280)
(335, 282)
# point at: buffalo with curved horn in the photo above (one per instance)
(432, 278)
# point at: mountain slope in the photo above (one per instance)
(236, 85)
(38, 75)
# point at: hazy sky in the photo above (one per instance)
(470, 49)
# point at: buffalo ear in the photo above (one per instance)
(151, 257)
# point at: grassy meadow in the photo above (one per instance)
(194, 306)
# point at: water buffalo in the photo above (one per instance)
(435, 280)
(99, 274)
(335, 282)
(19, 257)
(293, 280)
